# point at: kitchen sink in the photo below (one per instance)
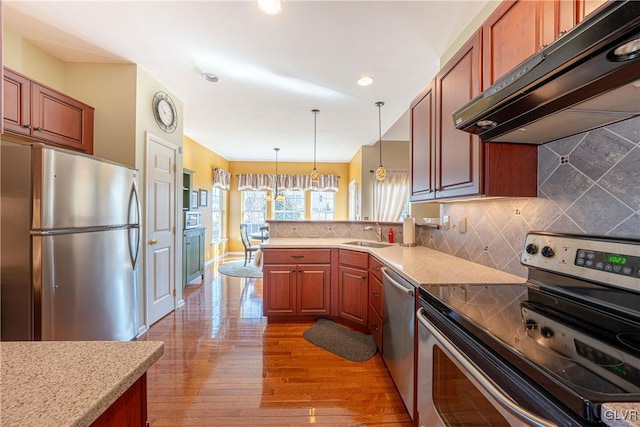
(368, 244)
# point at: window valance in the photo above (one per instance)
(221, 179)
(257, 182)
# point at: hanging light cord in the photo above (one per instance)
(315, 120)
(380, 104)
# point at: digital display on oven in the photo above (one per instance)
(605, 361)
(610, 262)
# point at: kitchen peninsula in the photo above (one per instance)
(64, 383)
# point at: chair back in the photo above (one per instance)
(244, 236)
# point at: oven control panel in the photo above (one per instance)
(611, 261)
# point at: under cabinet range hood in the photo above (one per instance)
(589, 77)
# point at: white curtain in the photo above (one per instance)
(252, 181)
(221, 178)
(390, 195)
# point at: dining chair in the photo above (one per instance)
(264, 232)
(249, 249)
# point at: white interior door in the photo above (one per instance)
(161, 261)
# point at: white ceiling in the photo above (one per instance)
(273, 70)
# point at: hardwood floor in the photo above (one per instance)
(225, 365)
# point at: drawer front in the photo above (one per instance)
(375, 293)
(354, 258)
(375, 327)
(375, 267)
(297, 256)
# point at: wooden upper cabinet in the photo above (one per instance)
(40, 113)
(510, 35)
(458, 154)
(423, 133)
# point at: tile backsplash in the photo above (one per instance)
(587, 184)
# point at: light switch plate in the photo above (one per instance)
(445, 222)
(462, 225)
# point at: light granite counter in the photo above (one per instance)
(63, 383)
(623, 414)
(419, 265)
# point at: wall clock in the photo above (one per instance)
(164, 111)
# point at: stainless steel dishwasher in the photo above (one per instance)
(398, 315)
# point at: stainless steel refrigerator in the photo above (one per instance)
(70, 239)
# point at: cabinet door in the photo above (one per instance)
(352, 295)
(313, 289)
(61, 120)
(16, 103)
(458, 154)
(193, 254)
(423, 145)
(509, 36)
(279, 289)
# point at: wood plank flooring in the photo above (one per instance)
(225, 365)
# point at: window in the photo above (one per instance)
(323, 205)
(293, 207)
(254, 210)
(216, 213)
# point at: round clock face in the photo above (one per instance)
(165, 112)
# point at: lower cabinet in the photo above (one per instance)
(375, 300)
(192, 254)
(353, 286)
(129, 410)
(297, 282)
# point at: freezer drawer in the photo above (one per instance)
(86, 286)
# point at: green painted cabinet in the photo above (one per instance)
(192, 254)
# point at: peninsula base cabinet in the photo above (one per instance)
(129, 410)
(193, 245)
(297, 282)
(353, 287)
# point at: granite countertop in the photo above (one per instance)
(68, 383)
(419, 265)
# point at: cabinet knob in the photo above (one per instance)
(39, 129)
(375, 294)
(376, 268)
(154, 242)
(374, 327)
(363, 277)
(28, 126)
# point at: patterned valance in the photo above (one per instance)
(267, 182)
(221, 179)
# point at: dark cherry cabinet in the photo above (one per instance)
(457, 153)
(297, 282)
(353, 286)
(36, 112)
(423, 132)
(130, 409)
(375, 300)
(512, 33)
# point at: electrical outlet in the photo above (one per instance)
(462, 225)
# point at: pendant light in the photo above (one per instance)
(381, 173)
(315, 175)
(279, 196)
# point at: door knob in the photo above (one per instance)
(153, 242)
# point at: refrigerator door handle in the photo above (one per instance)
(134, 203)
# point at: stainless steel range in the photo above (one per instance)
(546, 353)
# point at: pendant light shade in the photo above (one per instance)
(315, 175)
(381, 172)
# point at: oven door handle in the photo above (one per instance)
(498, 394)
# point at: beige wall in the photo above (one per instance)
(203, 161)
(110, 89)
(355, 173)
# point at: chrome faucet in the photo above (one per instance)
(377, 229)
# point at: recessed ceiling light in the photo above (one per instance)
(210, 77)
(270, 7)
(365, 81)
